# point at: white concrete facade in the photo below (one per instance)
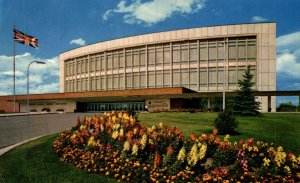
(193, 58)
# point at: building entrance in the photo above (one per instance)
(107, 107)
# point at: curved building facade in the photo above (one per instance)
(206, 59)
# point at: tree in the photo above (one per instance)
(244, 102)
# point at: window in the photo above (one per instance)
(212, 51)
(129, 81)
(193, 77)
(203, 77)
(212, 76)
(143, 79)
(115, 60)
(241, 49)
(167, 54)
(184, 53)
(151, 56)
(203, 51)
(143, 57)
(232, 76)
(184, 78)
(151, 79)
(220, 76)
(159, 56)
(128, 58)
(167, 79)
(251, 50)
(121, 60)
(136, 59)
(121, 82)
(136, 80)
(158, 79)
(109, 82)
(221, 50)
(103, 63)
(103, 83)
(115, 81)
(176, 78)
(176, 53)
(109, 61)
(98, 83)
(232, 50)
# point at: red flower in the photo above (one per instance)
(224, 171)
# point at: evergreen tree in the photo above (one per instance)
(244, 102)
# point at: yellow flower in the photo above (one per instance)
(91, 141)
(144, 141)
(255, 149)
(82, 127)
(135, 149)
(193, 155)
(280, 157)
(266, 162)
(181, 154)
(121, 132)
(115, 134)
(287, 169)
(126, 146)
(202, 152)
(226, 138)
(161, 125)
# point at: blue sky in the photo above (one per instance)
(61, 25)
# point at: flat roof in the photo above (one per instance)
(137, 95)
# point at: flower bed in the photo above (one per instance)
(115, 145)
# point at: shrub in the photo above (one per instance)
(224, 157)
(226, 123)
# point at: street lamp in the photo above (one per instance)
(38, 62)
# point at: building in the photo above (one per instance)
(200, 62)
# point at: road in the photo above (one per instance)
(16, 129)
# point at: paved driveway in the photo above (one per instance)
(16, 129)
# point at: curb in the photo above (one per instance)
(11, 147)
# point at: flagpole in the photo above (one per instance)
(14, 72)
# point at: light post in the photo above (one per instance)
(38, 62)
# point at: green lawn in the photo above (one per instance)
(278, 128)
(35, 161)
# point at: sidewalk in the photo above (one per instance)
(26, 114)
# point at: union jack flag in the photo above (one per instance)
(22, 38)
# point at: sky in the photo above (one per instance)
(61, 25)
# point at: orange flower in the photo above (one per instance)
(206, 177)
(156, 159)
(142, 131)
(129, 134)
(193, 137)
(107, 124)
(224, 171)
(177, 131)
(215, 131)
(170, 150)
(218, 140)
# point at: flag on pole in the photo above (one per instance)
(22, 38)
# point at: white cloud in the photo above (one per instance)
(79, 42)
(43, 77)
(154, 11)
(288, 55)
(258, 19)
(107, 14)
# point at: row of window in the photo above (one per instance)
(213, 50)
(207, 77)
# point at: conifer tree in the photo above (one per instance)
(244, 102)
